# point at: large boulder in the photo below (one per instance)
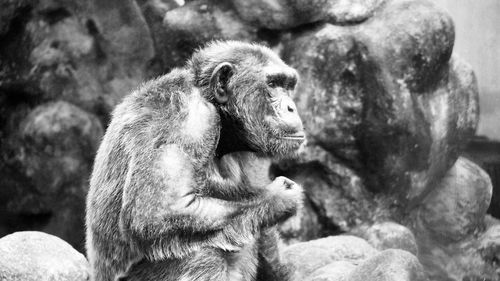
(377, 95)
(37, 256)
(45, 180)
(154, 11)
(284, 14)
(448, 226)
(89, 53)
(63, 66)
(196, 23)
(457, 206)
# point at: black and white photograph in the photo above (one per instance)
(249, 140)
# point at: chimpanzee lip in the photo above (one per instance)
(297, 136)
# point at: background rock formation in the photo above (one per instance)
(388, 108)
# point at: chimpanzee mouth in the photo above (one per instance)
(295, 137)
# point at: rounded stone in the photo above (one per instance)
(37, 256)
(284, 14)
(389, 265)
(57, 138)
(489, 245)
(51, 154)
(335, 271)
(377, 95)
(390, 235)
(198, 22)
(458, 204)
(306, 257)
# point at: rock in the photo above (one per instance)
(449, 226)
(389, 265)
(8, 11)
(390, 235)
(51, 154)
(335, 271)
(196, 23)
(490, 220)
(282, 14)
(468, 259)
(457, 206)
(37, 256)
(154, 11)
(89, 53)
(86, 53)
(489, 246)
(306, 257)
(376, 95)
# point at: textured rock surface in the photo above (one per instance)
(335, 271)
(457, 206)
(198, 22)
(390, 235)
(449, 226)
(283, 14)
(50, 157)
(377, 95)
(306, 257)
(154, 13)
(489, 247)
(91, 53)
(389, 265)
(36, 256)
(84, 55)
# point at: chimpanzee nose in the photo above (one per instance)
(290, 117)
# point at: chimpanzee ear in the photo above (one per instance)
(219, 82)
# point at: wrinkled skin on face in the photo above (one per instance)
(260, 104)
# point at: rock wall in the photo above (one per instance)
(388, 108)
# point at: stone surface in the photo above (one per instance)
(335, 271)
(457, 206)
(489, 247)
(196, 23)
(390, 235)
(154, 12)
(45, 181)
(283, 14)
(377, 96)
(88, 53)
(306, 257)
(449, 226)
(37, 256)
(389, 265)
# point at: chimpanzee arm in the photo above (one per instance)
(270, 266)
(164, 216)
